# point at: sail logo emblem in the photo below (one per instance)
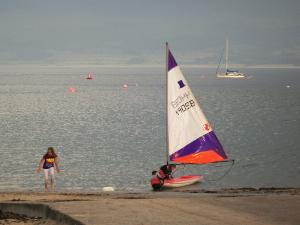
(181, 84)
(206, 127)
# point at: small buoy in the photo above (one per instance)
(125, 86)
(72, 90)
(108, 189)
(288, 86)
(89, 76)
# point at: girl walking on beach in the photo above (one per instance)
(49, 163)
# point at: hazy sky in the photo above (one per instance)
(134, 32)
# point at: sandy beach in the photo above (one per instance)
(228, 206)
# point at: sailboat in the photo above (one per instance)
(189, 137)
(89, 76)
(228, 72)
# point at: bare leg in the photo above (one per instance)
(52, 180)
(46, 185)
(52, 183)
(46, 179)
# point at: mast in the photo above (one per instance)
(226, 56)
(167, 123)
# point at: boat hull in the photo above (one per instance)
(231, 75)
(182, 181)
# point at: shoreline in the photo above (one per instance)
(231, 190)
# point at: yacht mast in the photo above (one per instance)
(226, 56)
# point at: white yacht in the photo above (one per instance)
(228, 73)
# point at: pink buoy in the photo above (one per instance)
(89, 76)
(72, 90)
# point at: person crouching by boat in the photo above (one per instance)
(158, 177)
(156, 182)
(49, 164)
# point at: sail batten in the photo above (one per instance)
(191, 139)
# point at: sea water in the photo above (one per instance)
(107, 134)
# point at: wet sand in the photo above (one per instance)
(229, 206)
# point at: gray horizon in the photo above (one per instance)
(134, 32)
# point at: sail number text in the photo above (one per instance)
(185, 106)
(183, 102)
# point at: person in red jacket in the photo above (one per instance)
(158, 177)
(49, 163)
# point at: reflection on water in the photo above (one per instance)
(107, 135)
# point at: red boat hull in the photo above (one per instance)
(182, 181)
(175, 182)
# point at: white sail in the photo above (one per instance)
(191, 139)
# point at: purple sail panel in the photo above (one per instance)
(208, 142)
(171, 61)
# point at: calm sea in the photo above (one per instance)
(107, 135)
